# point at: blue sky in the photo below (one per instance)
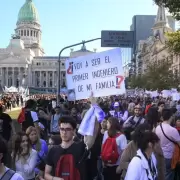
(65, 22)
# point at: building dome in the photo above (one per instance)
(28, 13)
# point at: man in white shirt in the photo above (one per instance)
(168, 136)
(6, 173)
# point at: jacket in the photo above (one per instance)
(138, 168)
(131, 151)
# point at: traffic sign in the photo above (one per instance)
(123, 39)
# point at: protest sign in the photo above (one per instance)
(100, 73)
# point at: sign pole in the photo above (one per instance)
(59, 64)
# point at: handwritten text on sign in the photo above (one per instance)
(101, 73)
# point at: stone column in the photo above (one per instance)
(40, 78)
(13, 78)
(47, 79)
(29, 74)
(19, 75)
(33, 78)
(35, 72)
(53, 83)
(7, 77)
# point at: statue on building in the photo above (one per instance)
(15, 36)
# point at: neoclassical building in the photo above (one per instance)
(23, 62)
(153, 50)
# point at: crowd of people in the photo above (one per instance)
(11, 100)
(97, 139)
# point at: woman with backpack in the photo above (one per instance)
(114, 142)
(144, 165)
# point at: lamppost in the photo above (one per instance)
(59, 64)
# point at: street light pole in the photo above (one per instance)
(59, 64)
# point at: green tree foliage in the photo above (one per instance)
(136, 81)
(173, 42)
(157, 77)
(173, 7)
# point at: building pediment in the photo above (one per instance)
(13, 60)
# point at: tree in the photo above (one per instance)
(173, 42)
(173, 7)
(158, 76)
(137, 81)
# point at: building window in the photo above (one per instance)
(31, 33)
(24, 32)
(44, 83)
(37, 82)
(50, 83)
(34, 33)
(50, 74)
(21, 32)
(62, 64)
(27, 32)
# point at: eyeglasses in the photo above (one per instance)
(66, 129)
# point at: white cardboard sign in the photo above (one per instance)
(100, 73)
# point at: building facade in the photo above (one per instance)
(153, 49)
(23, 62)
(142, 27)
(126, 60)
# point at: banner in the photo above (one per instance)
(100, 73)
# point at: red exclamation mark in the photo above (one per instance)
(119, 80)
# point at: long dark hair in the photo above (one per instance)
(152, 117)
(115, 126)
(146, 138)
(17, 150)
(139, 131)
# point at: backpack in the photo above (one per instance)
(21, 116)
(8, 175)
(66, 168)
(28, 121)
(109, 152)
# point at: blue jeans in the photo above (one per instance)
(169, 172)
